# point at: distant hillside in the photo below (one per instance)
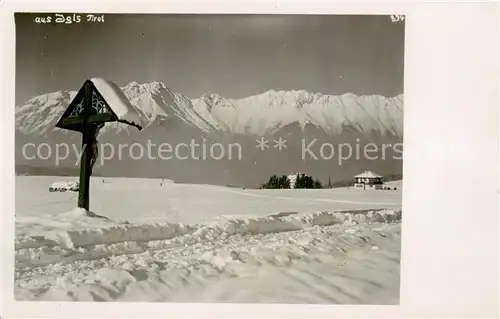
(47, 171)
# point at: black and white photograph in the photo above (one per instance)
(245, 159)
(216, 158)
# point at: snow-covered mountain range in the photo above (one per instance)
(256, 115)
(170, 117)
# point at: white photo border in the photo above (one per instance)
(450, 236)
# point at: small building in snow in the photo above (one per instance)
(368, 180)
(292, 178)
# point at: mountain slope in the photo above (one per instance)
(272, 110)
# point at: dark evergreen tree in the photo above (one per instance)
(298, 181)
(271, 183)
(317, 184)
(283, 182)
(304, 181)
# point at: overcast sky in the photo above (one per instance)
(232, 55)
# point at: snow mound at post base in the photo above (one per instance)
(79, 228)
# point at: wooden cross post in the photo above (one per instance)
(88, 140)
(86, 114)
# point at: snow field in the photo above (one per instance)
(141, 200)
(201, 243)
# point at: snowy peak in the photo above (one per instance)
(157, 103)
(42, 111)
(260, 114)
(135, 89)
(271, 110)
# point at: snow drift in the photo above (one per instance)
(75, 229)
(336, 264)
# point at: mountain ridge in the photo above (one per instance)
(259, 114)
(298, 116)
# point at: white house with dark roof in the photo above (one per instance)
(368, 180)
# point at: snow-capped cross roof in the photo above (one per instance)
(368, 174)
(117, 101)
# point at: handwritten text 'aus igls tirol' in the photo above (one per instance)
(61, 18)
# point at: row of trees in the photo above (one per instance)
(302, 181)
(305, 181)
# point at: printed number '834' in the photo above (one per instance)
(397, 17)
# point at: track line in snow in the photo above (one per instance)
(105, 232)
(328, 200)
